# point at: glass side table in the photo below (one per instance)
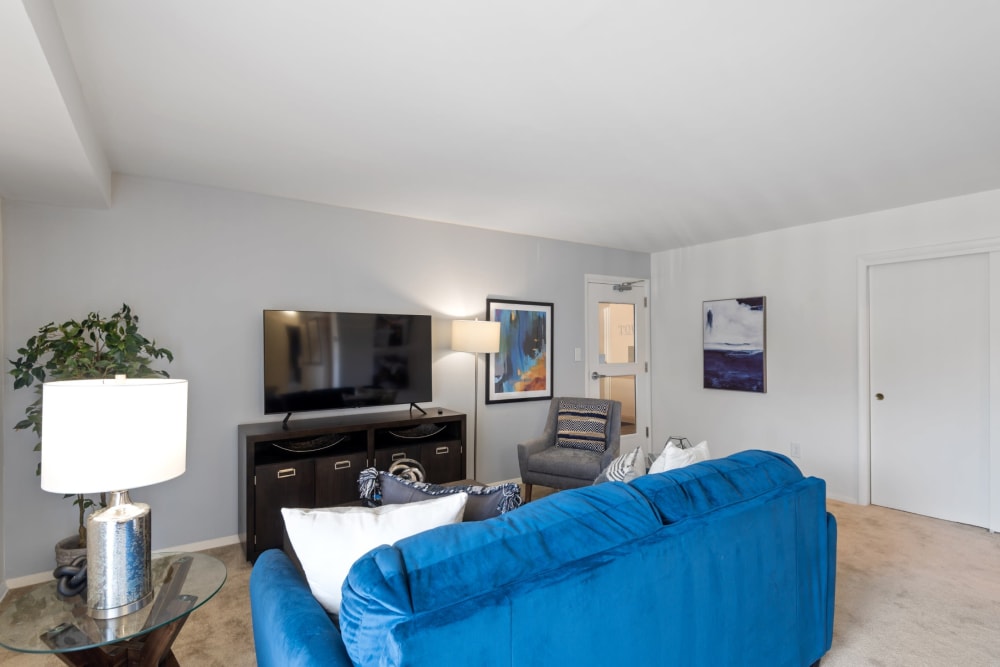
(42, 621)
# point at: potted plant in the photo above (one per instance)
(94, 347)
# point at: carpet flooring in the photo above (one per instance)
(911, 591)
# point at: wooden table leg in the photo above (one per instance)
(68, 635)
(91, 657)
(153, 649)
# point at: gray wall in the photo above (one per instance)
(199, 264)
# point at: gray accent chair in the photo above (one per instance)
(545, 464)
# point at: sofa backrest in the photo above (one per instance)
(711, 485)
(520, 586)
(451, 563)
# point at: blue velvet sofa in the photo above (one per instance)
(727, 562)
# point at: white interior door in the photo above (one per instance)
(618, 352)
(929, 347)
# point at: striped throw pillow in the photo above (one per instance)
(582, 425)
(624, 468)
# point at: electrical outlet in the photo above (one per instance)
(796, 449)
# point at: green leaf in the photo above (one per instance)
(93, 347)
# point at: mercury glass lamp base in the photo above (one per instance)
(119, 577)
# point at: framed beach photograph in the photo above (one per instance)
(522, 369)
(734, 344)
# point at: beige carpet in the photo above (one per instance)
(914, 591)
(218, 634)
(911, 591)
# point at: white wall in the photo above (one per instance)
(809, 276)
(3, 422)
(199, 265)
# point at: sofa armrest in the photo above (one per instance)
(831, 583)
(290, 628)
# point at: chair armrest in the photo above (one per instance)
(529, 447)
(290, 628)
(607, 457)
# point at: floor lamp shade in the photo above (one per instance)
(475, 336)
(107, 436)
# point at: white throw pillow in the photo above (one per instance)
(329, 540)
(673, 456)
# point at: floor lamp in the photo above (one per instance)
(477, 337)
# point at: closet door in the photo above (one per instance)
(929, 345)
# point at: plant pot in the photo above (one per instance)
(67, 550)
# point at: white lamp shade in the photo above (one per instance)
(112, 435)
(475, 336)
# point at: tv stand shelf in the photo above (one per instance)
(316, 462)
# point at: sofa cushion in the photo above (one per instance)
(484, 502)
(700, 488)
(419, 574)
(328, 540)
(624, 468)
(582, 425)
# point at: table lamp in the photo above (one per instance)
(477, 337)
(108, 436)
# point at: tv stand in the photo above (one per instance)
(414, 405)
(284, 422)
(316, 462)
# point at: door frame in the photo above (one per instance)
(642, 377)
(989, 247)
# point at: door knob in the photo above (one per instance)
(879, 397)
(597, 376)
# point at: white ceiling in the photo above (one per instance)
(643, 125)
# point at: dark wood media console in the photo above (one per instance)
(316, 462)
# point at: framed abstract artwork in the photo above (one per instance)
(522, 369)
(734, 344)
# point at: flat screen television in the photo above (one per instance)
(316, 360)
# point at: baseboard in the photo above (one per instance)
(207, 544)
(42, 577)
(29, 579)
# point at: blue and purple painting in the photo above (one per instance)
(734, 349)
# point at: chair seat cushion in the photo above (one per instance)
(566, 462)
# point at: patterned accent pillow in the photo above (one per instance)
(484, 502)
(625, 468)
(582, 425)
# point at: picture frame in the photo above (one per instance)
(522, 369)
(734, 344)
